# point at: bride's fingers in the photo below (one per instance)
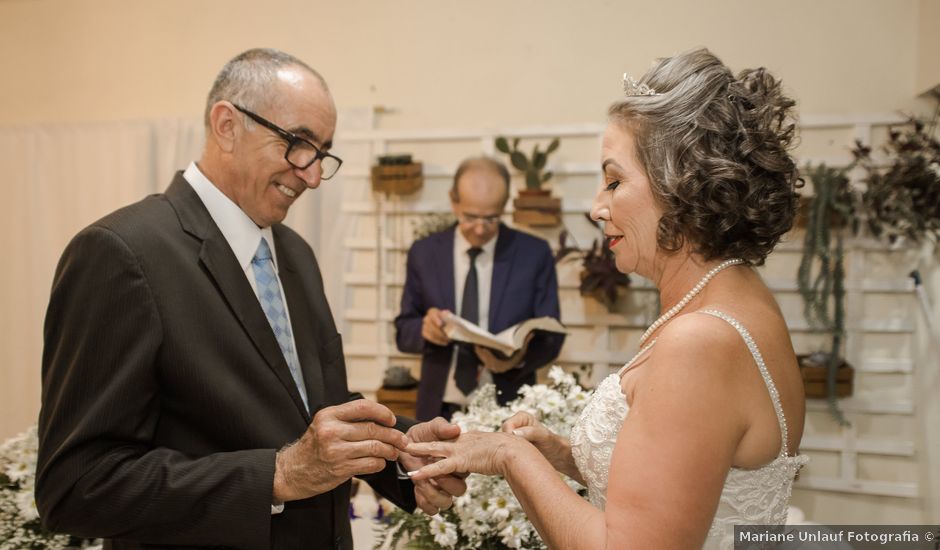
(452, 484)
(528, 433)
(436, 497)
(439, 468)
(518, 420)
(435, 448)
(425, 506)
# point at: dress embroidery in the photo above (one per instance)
(758, 496)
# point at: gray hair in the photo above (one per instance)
(246, 79)
(715, 148)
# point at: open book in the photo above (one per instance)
(506, 342)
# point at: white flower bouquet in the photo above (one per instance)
(19, 517)
(488, 516)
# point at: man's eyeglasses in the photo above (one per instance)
(470, 219)
(300, 152)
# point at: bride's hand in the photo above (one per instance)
(475, 452)
(553, 447)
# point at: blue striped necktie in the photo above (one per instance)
(269, 294)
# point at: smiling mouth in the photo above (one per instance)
(613, 239)
(286, 190)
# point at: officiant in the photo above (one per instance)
(487, 273)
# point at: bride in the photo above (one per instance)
(700, 430)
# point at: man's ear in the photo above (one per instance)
(224, 125)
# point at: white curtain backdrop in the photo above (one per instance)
(57, 180)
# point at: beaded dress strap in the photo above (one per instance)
(632, 361)
(765, 374)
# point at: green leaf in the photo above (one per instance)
(519, 161)
(589, 283)
(547, 176)
(532, 179)
(515, 144)
(538, 159)
(502, 145)
(552, 146)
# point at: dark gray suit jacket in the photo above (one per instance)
(165, 395)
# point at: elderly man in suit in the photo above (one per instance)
(194, 388)
(487, 273)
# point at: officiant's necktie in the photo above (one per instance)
(467, 361)
(269, 294)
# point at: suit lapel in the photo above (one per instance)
(502, 267)
(217, 257)
(303, 326)
(445, 255)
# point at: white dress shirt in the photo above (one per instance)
(484, 265)
(242, 235)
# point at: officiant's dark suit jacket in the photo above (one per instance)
(524, 285)
(166, 396)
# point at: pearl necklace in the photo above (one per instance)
(688, 297)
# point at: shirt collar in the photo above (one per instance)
(461, 245)
(242, 235)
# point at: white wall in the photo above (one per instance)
(433, 63)
(442, 62)
(928, 44)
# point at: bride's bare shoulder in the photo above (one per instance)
(695, 352)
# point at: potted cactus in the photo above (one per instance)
(534, 206)
(821, 281)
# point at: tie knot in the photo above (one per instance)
(474, 252)
(263, 253)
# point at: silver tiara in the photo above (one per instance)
(633, 88)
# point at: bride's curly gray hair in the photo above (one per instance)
(716, 149)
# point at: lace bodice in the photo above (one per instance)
(758, 496)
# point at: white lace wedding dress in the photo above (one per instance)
(758, 496)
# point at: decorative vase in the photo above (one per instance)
(397, 179)
(536, 208)
(813, 369)
(836, 221)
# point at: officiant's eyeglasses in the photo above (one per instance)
(470, 219)
(300, 152)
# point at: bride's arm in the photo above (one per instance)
(680, 437)
(555, 448)
(668, 467)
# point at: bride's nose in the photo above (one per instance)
(600, 209)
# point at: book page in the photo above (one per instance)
(458, 328)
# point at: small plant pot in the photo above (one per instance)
(402, 179)
(402, 402)
(599, 295)
(536, 208)
(813, 369)
(802, 215)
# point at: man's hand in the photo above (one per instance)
(342, 441)
(436, 494)
(497, 365)
(432, 328)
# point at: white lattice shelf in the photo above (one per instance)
(871, 404)
(874, 326)
(869, 446)
(385, 225)
(859, 486)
